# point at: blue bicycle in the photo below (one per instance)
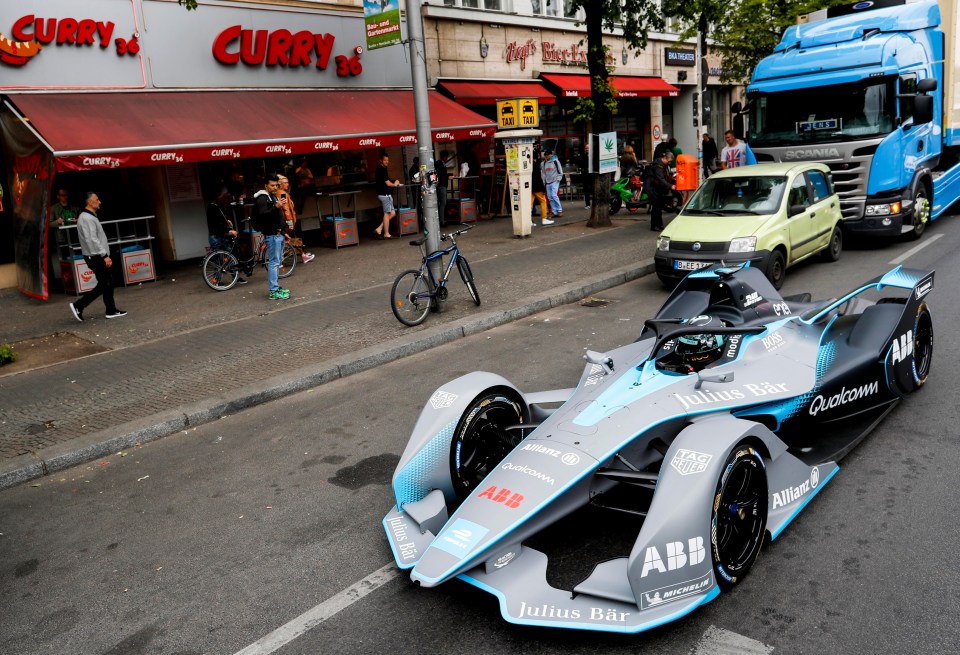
(415, 292)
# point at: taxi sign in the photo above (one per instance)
(529, 112)
(508, 112)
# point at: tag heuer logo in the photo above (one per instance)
(696, 246)
(688, 462)
(441, 399)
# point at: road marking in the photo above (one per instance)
(915, 249)
(328, 608)
(716, 641)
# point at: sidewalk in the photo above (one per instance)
(186, 354)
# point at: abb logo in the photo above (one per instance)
(503, 495)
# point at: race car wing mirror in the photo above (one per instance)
(599, 358)
(715, 377)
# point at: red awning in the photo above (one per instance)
(487, 93)
(111, 130)
(578, 86)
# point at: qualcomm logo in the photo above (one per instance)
(821, 403)
(533, 473)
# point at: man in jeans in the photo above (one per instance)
(268, 218)
(96, 253)
(552, 172)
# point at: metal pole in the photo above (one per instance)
(421, 106)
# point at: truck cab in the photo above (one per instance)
(863, 92)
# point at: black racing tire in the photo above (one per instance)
(739, 517)
(921, 213)
(922, 357)
(777, 269)
(411, 297)
(288, 262)
(220, 270)
(467, 276)
(832, 252)
(481, 440)
(616, 202)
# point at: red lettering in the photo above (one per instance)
(488, 493)
(514, 501)
(223, 40)
(67, 31)
(45, 30)
(278, 52)
(502, 495)
(302, 49)
(106, 31)
(324, 46)
(19, 28)
(253, 46)
(86, 31)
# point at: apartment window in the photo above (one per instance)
(495, 5)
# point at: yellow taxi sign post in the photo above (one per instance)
(508, 112)
(529, 112)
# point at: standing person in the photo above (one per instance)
(268, 219)
(675, 149)
(552, 171)
(290, 217)
(414, 178)
(539, 192)
(734, 154)
(710, 155)
(628, 161)
(659, 185)
(96, 253)
(220, 228)
(442, 175)
(664, 145)
(61, 213)
(385, 196)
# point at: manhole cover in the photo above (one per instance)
(594, 302)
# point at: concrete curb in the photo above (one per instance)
(106, 442)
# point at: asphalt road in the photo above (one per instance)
(209, 540)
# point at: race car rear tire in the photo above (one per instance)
(739, 518)
(481, 440)
(922, 346)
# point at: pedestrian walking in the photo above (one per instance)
(96, 253)
(659, 185)
(552, 171)
(539, 191)
(734, 153)
(710, 155)
(268, 219)
(385, 196)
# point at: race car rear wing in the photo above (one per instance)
(916, 279)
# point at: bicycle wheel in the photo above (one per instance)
(220, 270)
(467, 275)
(411, 297)
(288, 262)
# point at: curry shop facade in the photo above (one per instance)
(157, 110)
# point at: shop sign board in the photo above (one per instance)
(679, 57)
(155, 44)
(507, 114)
(382, 20)
(607, 150)
(138, 266)
(529, 112)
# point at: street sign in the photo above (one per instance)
(508, 112)
(529, 112)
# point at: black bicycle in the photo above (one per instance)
(416, 291)
(222, 267)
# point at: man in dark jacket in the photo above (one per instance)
(268, 219)
(710, 155)
(659, 185)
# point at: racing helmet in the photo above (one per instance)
(700, 350)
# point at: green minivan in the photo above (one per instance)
(772, 215)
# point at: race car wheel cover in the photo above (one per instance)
(481, 441)
(739, 517)
(922, 345)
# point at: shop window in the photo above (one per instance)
(492, 5)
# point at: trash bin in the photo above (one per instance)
(688, 173)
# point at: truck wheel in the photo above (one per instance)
(921, 213)
(739, 518)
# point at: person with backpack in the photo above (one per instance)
(268, 219)
(552, 171)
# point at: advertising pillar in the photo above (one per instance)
(518, 147)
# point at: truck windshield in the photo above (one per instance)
(842, 112)
(732, 196)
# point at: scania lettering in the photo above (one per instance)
(870, 90)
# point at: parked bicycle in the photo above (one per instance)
(222, 267)
(415, 292)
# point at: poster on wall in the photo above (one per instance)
(382, 19)
(183, 182)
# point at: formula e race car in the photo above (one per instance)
(712, 430)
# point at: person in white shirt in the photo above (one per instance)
(734, 154)
(96, 253)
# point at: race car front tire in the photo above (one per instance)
(739, 517)
(481, 440)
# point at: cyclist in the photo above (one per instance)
(268, 219)
(222, 232)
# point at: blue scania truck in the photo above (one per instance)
(870, 90)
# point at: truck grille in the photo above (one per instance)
(850, 183)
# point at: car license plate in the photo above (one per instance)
(682, 265)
